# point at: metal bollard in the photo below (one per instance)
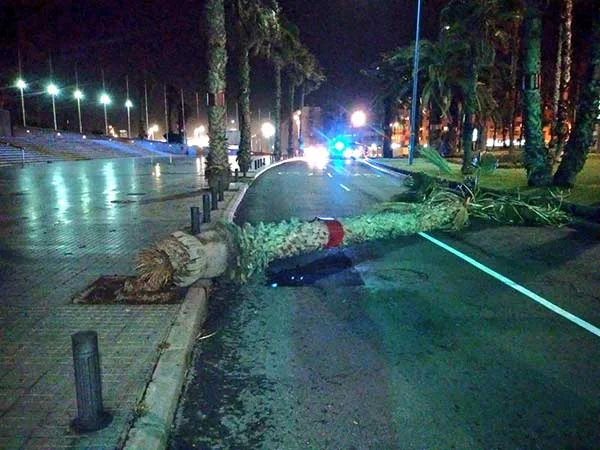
(214, 205)
(220, 191)
(88, 383)
(195, 212)
(237, 174)
(205, 208)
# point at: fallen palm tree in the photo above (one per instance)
(242, 252)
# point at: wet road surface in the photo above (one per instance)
(407, 347)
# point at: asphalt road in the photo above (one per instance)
(397, 344)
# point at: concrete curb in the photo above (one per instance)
(151, 430)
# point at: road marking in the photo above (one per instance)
(329, 175)
(512, 284)
(345, 187)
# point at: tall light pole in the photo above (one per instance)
(128, 105)
(53, 91)
(105, 100)
(184, 140)
(197, 107)
(22, 85)
(78, 96)
(166, 115)
(413, 108)
(146, 105)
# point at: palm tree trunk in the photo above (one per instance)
(561, 129)
(243, 155)
(245, 251)
(435, 126)
(451, 136)
(277, 144)
(387, 129)
(291, 94)
(581, 138)
(469, 115)
(536, 160)
(557, 75)
(217, 166)
(301, 108)
(514, 95)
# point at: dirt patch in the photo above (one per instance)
(110, 289)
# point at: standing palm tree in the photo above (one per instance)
(392, 73)
(281, 54)
(563, 78)
(256, 24)
(536, 159)
(313, 78)
(474, 23)
(217, 165)
(296, 73)
(581, 138)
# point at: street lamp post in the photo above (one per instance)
(53, 91)
(105, 100)
(128, 105)
(413, 107)
(78, 96)
(22, 85)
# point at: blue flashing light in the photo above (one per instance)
(339, 145)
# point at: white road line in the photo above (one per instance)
(512, 284)
(329, 175)
(345, 187)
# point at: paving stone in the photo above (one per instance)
(73, 235)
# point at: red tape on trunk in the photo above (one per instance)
(336, 233)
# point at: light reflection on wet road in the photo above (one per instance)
(61, 219)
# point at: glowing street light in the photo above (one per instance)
(128, 105)
(53, 91)
(268, 130)
(78, 96)
(22, 85)
(105, 100)
(358, 119)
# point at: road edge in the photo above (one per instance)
(150, 431)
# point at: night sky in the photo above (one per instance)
(163, 41)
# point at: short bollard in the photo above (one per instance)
(220, 191)
(195, 212)
(214, 205)
(88, 383)
(237, 174)
(205, 208)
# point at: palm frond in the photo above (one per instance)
(432, 155)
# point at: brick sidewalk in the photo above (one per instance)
(61, 227)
